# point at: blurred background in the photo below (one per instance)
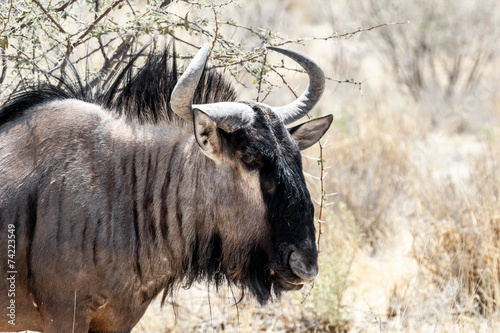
(406, 181)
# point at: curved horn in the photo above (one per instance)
(183, 93)
(302, 105)
(228, 116)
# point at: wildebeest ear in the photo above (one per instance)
(307, 134)
(205, 131)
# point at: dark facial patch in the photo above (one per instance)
(267, 147)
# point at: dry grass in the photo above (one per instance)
(466, 229)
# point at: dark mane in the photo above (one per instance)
(142, 94)
(36, 95)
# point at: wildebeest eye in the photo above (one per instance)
(250, 160)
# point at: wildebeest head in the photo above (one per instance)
(253, 139)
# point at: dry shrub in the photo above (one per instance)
(370, 172)
(436, 53)
(326, 301)
(460, 243)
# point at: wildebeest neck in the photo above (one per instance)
(179, 223)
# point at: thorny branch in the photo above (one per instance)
(261, 77)
(63, 7)
(350, 81)
(182, 41)
(114, 62)
(216, 34)
(336, 35)
(6, 21)
(238, 62)
(49, 16)
(321, 163)
(99, 39)
(70, 46)
(97, 20)
(4, 67)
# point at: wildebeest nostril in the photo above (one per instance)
(301, 267)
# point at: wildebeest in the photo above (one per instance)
(108, 199)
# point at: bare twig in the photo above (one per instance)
(230, 64)
(182, 41)
(115, 60)
(6, 22)
(350, 81)
(89, 54)
(261, 76)
(282, 77)
(191, 24)
(97, 20)
(99, 39)
(252, 31)
(69, 49)
(131, 8)
(321, 163)
(63, 7)
(216, 34)
(4, 67)
(49, 16)
(336, 35)
(71, 46)
(10, 56)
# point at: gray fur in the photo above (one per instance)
(81, 167)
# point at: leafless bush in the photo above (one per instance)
(371, 169)
(446, 48)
